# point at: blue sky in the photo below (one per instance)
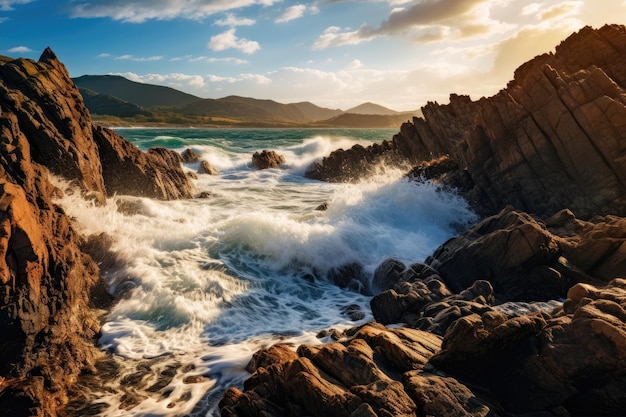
(334, 53)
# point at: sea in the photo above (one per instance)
(201, 284)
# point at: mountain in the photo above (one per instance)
(147, 95)
(245, 108)
(316, 113)
(371, 108)
(117, 100)
(105, 104)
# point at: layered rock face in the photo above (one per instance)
(524, 314)
(478, 351)
(49, 287)
(553, 138)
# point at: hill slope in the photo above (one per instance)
(147, 95)
(371, 108)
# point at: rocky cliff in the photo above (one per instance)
(553, 138)
(49, 287)
(518, 316)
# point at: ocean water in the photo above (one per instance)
(204, 283)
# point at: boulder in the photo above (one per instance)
(206, 168)
(573, 358)
(127, 170)
(267, 159)
(189, 156)
(364, 375)
(352, 164)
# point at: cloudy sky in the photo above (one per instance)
(334, 53)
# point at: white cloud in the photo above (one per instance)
(138, 11)
(104, 55)
(6, 5)
(256, 78)
(128, 57)
(424, 22)
(229, 60)
(210, 60)
(232, 20)
(355, 64)
(228, 40)
(20, 50)
(292, 13)
(333, 36)
(175, 80)
(530, 9)
(561, 10)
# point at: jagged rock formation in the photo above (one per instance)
(553, 138)
(568, 361)
(494, 358)
(49, 287)
(552, 143)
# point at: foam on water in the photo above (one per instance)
(207, 282)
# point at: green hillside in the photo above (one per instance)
(106, 104)
(146, 95)
(247, 109)
(115, 100)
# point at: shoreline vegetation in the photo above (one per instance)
(476, 330)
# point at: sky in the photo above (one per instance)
(334, 53)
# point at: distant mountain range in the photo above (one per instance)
(115, 100)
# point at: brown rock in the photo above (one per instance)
(361, 376)
(267, 159)
(512, 251)
(352, 164)
(49, 286)
(189, 156)
(207, 168)
(436, 395)
(127, 170)
(551, 139)
(542, 362)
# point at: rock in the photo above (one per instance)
(50, 288)
(361, 376)
(547, 141)
(541, 362)
(127, 170)
(512, 251)
(349, 276)
(353, 164)
(267, 159)
(528, 260)
(207, 168)
(436, 395)
(387, 274)
(322, 207)
(189, 156)
(275, 354)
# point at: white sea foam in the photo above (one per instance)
(207, 282)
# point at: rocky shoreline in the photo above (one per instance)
(51, 288)
(523, 314)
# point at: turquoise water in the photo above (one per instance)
(207, 282)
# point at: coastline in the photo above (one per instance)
(471, 326)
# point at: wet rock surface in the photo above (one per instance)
(551, 139)
(522, 314)
(50, 287)
(267, 159)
